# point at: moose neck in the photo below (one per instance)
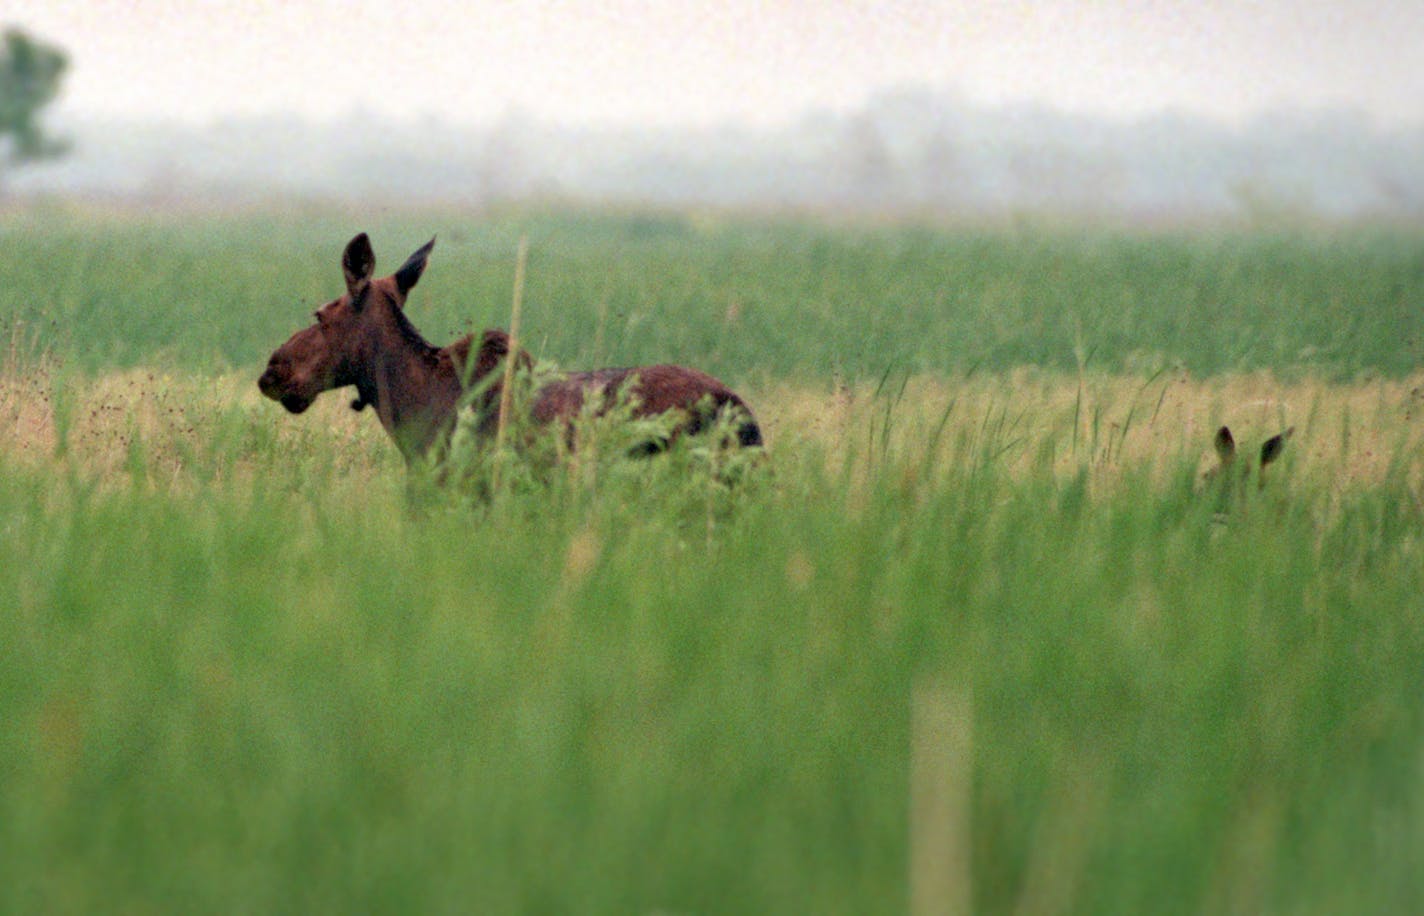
(414, 392)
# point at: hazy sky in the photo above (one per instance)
(701, 62)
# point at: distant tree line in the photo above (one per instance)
(911, 150)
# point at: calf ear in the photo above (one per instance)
(413, 267)
(358, 262)
(1225, 445)
(1273, 446)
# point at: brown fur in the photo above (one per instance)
(364, 339)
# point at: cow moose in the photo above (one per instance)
(364, 339)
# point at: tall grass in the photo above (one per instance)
(247, 663)
(269, 680)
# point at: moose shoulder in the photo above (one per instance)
(364, 339)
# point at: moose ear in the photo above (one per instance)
(358, 262)
(413, 267)
(1225, 445)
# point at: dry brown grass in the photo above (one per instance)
(1027, 420)
(181, 428)
(1350, 434)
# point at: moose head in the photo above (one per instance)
(334, 352)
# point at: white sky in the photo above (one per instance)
(686, 62)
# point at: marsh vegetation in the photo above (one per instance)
(245, 664)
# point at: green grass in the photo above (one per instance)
(296, 692)
(740, 298)
(247, 665)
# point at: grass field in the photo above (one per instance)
(977, 631)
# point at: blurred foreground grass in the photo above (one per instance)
(242, 669)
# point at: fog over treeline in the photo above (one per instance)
(909, 150)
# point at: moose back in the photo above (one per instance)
(364, 339)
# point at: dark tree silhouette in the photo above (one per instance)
(30, 74)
